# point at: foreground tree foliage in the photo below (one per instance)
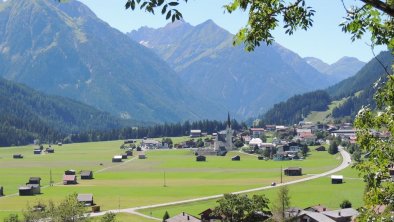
(68, 210)
(241, 208)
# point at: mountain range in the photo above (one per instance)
(64, 49)
(26, 114)
(247, 83)
(353, 92)
(340, 70)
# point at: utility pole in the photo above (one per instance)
(281, 174)
(164, 182)
(50, 178)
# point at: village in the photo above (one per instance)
(270, 143)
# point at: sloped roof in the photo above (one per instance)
(69, 177)
(86, 173)
(183, 217)
(347, 212)
(85, 197)
(317, 216)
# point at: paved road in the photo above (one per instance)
(346, 160)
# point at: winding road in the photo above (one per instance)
(346, 161)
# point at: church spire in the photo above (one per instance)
(228, 120)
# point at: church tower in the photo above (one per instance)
(229, 134)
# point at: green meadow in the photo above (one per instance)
(166, 175)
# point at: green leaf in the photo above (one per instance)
(168, 15)
(173, 3)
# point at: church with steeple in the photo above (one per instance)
(224, 139)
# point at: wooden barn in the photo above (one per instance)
(35, 188)
(69, 172)
(141, 156)
(35, 180)
(201, 158)
(85, 199)
(320, 148)
(50, 150)
(336, 179)
(17, 156)
(129, 153)
(25, 191)
(69, 179)
(37, 151)
(124, 156)
(236, 158)
(86, 175)
(1, 191)
(293, 171)
(117, 159)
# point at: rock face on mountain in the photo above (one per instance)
(64, 49)
(338, 71)
(248, 83)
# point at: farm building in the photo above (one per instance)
(261, 158)
(256, 132)
(69, 179)
(293, 171)
(141, 156)
(318, 208)
(336, 179)
(320, 148)
(25, 191)
(37, 151)
(201, 158)
(60, 144)
(195, 133)
(129, 141)
(35, 180)
(17, 156)
(236, 158)
(129, 153)
(183, 217)
(35, 188)
(86, 199)
(86, 175)
(346, 214)
(150, 144)
(124, 156)
(1, 191)
(117, 159)
(50, 150)
(69, 172)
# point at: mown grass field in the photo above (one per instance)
(305, 194)
(140, 182)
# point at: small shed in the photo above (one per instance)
(320, 148)
(201, 158)
(86, 175)
(25, 191)
(117, 159)
(141, 156)
(86, 199)
(293, 171)
(1, 191)
(124, 156)
(37, 151)
(69, 179)
(60, 144)
(336, 179)
(236, 158)
(50, 150)
(261, 158)
(17, 156)
(129, 153)
(35, 188)
(35, 180)
(69, 172)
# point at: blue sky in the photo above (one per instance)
(325, 40)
